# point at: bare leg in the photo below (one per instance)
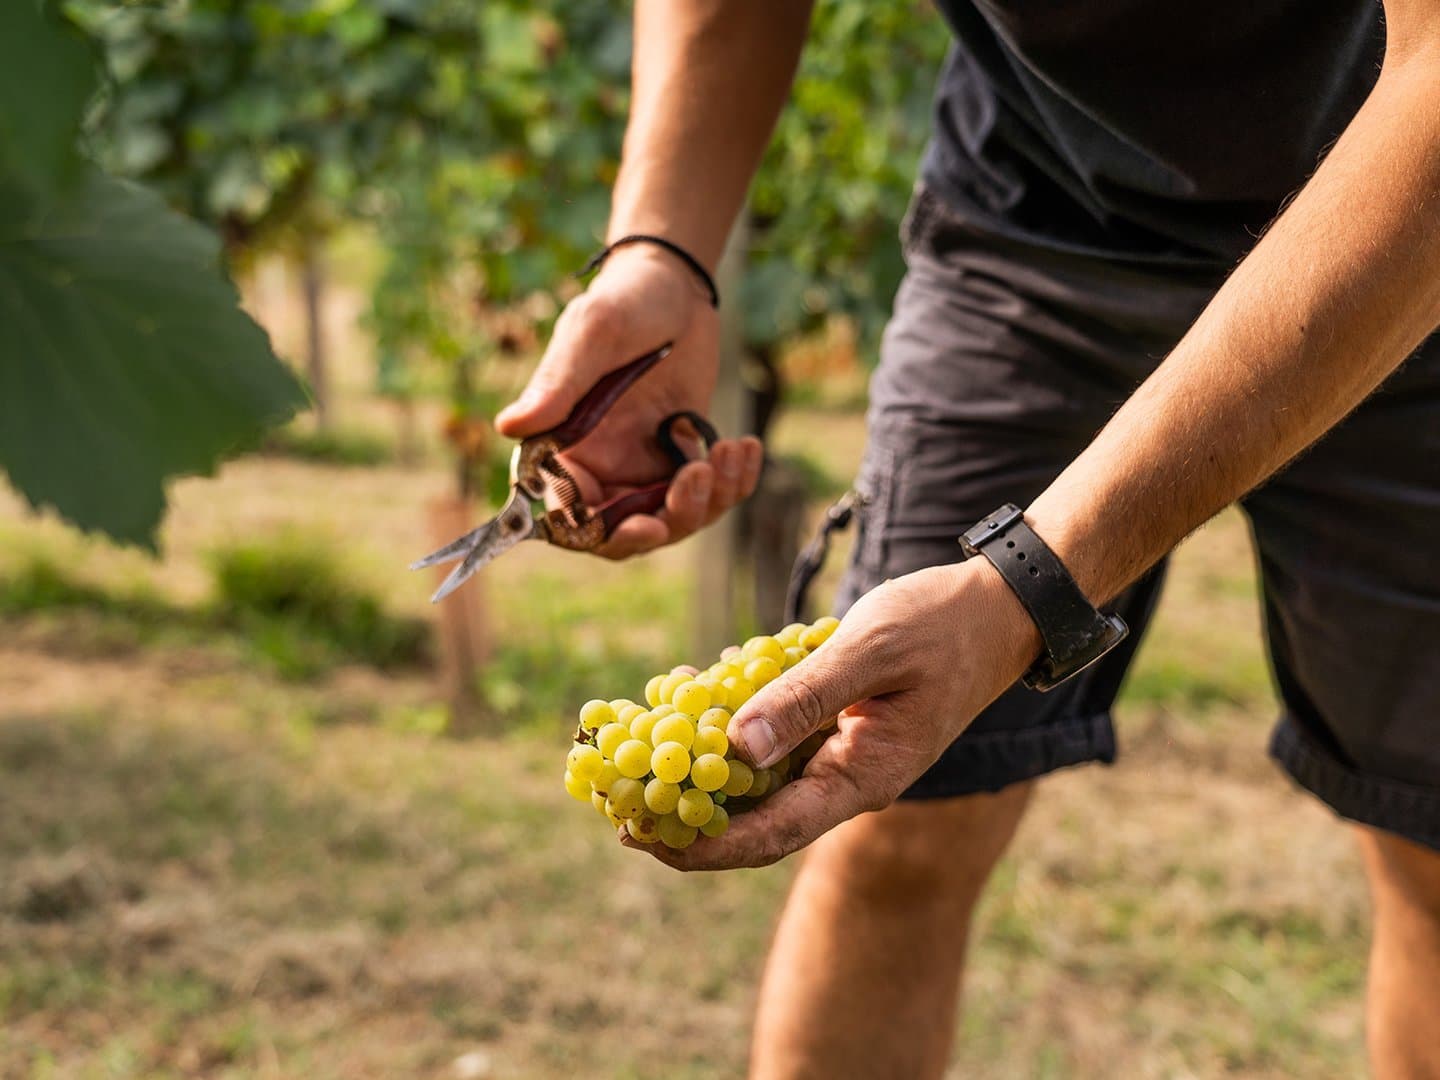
(864, 976)
(1404, 997)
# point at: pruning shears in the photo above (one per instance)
(545, 502)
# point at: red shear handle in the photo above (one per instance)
(647, 500)
(591, 408)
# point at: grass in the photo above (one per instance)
(356, 447)
(212, 867)
(284, 600)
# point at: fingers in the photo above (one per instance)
(831, 791)
(781, 714)
(587, 344)
(699, 493)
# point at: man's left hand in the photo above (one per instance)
(907, 670)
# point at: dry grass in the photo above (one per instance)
(207, 870)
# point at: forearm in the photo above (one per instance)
(710, 77)
(1340, 290)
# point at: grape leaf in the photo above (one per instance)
(125, 359)
(46, 76)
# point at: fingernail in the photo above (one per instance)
(758, 739)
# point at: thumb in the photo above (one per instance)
(782, 713)
(585, 347)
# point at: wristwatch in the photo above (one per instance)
(1075, 633)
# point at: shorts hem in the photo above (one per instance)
(990, 761)
(1396, 806)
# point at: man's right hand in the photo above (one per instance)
(642, 298)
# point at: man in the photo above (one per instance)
(1097, 172)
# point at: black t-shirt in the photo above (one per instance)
(1164, 130)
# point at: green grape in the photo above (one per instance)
(642, 726)
(652, 690)
(661, 796)
(718, 824)
(675, 728)
(663, 710)
(710, 740)
(620, 703)
(626, 714)
(618, 822)
(610, 737)
(691, 699)
(585, 762)
(793, 656)
(627, 798)
(819, 632)
(730, 653)
(760, 784)
(789, 637)
(695, 807)
(716, 718)
(675, 834)
(709, 772)
(671, 683)
(645, 828)
(596, 714)
(670, 762)
(578, 789)
(781, 769)
(740, 778)
(598, 801)
(737, 692)
(633, 758)
(763, 646)
(762, 670)
(718, 797)
(608, 775)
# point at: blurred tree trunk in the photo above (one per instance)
(717, 548)
(312, 289)
(463, 627)
(407, 430)
(772, 520)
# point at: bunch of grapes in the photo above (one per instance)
(665, 770)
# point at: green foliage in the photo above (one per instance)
(45, 78)
(828, 200)
(336, 447)
(125, 359)
(481, 140)
(291, 597)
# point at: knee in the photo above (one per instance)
(1404, 874)
(916, 855)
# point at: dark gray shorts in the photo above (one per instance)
(1002, 362)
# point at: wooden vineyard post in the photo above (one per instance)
(463, 629)
(717, 548)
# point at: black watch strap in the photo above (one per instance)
(1074, 632)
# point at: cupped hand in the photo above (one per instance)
(640, 300)
(906, 671)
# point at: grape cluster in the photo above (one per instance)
(665, 770)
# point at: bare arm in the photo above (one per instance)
(1342, 288)
(709, 79)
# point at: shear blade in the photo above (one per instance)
(457, 549)
(481, 545)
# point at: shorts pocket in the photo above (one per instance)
(877, 485)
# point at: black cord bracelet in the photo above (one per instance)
(598, 260)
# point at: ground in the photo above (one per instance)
(210, 867)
